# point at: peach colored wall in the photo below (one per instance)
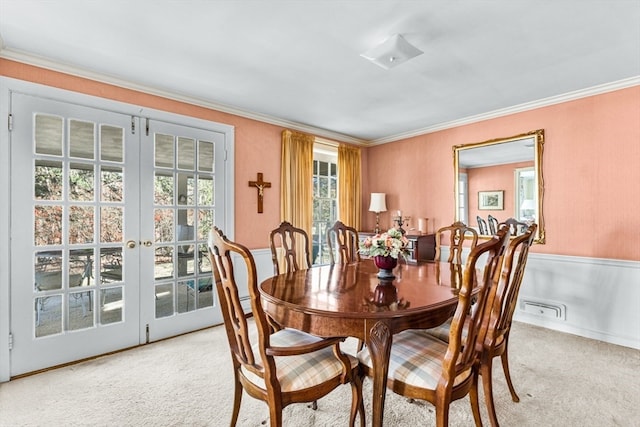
(257, 145)
(591, 167)
(493, 178)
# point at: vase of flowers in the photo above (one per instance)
(385, 249)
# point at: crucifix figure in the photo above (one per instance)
(260, 185)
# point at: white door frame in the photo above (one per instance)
(8, 85)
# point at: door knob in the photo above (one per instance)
(131, 244)
(147, 243)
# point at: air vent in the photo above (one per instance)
(544, 309)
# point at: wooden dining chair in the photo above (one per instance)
(424, 367)
(283, 367)
(493, 224)
(498, 323)
(455, 234)
(482, 226)
(289, 248)
(344, 243)
(516, 227)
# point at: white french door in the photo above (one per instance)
(109, 220)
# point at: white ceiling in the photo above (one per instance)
(298, 63)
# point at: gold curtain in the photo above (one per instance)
(349, 185)
(296, 180)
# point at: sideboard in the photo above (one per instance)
(421, 247)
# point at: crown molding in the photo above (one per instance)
(322, 133)
(40, 62)
(558, 99)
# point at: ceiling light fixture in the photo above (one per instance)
(392, 52)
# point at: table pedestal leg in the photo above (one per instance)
(379, 344)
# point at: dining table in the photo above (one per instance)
(349, 300)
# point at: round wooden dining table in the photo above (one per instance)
(349, 300)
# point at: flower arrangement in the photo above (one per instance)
(391, 243)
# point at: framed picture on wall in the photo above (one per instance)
(491, 200)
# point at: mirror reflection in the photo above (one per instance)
(500, 179)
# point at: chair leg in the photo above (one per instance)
(357, 404)
(473, 397)
(507, 374)
(237, 399)
(313, 405)
(486, 370)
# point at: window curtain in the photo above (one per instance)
(349, 186)
(296, 181)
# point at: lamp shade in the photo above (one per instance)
(378, 203)
(527, 205)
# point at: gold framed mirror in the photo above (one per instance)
(500, 179)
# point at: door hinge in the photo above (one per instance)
(10, 122)
(10, 341)
(147, 126)
(133, 125)
(147, 334)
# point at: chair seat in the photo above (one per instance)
(416, 359)
(301, 371)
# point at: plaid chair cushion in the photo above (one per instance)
(416, 359)
(300, 371)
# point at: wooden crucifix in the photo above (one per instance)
(260, 185)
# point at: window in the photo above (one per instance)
(325, 201)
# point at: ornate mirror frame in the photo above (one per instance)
(536, 138)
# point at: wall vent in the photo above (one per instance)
(544, 309)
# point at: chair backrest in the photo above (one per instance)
(221, 252)
(482, 226)
(516, 227)
(344, 243)
(493, 224)
(289, 248)
(505, 295)
(457, 233)
(461, 353)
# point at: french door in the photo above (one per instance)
(109, 219)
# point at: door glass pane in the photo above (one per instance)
(111, 143)
(186, 296)
(205, 220)
(48, 180)
(80, 312)
(81, 182)
(186, 153)
(111, 184)
(47, 226)
(205, 156)
(163, 188)
(48, 134)
(186, 189)
(111, 265)
(111, 303)
(205, 191)
(164, 151)
(48, 270)
(81, 224)
(164, 300)
(48, 315)
(111, 220)
(163, 262)
(81, 139)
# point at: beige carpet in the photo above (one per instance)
(562, 380)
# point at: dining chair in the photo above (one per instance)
(482, 226)
(289, 248)
(498, 325)
(496, 341)
(456, 234)
(282, 367)
(343, 242)
(424, 367)
(516, 227)
(493, 224)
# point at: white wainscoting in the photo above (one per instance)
(264, 269)
(590, 297)
(597, 298)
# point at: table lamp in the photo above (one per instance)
(377, 205)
